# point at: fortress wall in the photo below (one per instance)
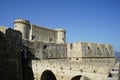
(74, 50)
(87, 49)
(44, 34)
(66, 70)
(10, 56)
(37, 33)
(90, 52)
(48, 50)
(49, 53)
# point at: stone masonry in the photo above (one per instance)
(10, 56)
(47, 56)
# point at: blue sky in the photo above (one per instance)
(84, 20)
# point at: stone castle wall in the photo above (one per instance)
(47, 50)
(46, 56)
(87, 52)
(88, 49)
(44, 34)
(10, 56)
(38, 33)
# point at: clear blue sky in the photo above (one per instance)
(84, 20)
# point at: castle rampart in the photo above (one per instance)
(38, 33)
(88, 49)
(47, 56)
(47, 51)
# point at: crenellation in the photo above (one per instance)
(21, 21)
(89, 49)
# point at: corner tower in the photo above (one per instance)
(24, 27)
(61, 35)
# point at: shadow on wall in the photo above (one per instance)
(27, 57)
(10, 57)
(15, 58)
(28, 73)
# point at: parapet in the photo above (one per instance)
(89, 49)
(61, 30)
(21, 21)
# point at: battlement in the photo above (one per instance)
(21, 21)
(89, 49)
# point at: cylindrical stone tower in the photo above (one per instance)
(61, 36)
(24, 27)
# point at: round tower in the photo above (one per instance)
(61, 35)
(24, 27)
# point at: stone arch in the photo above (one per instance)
(48, 75)
(78, 77)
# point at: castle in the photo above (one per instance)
(50, 58)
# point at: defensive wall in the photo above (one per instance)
(89, 51)
(10, 56)
(47, 56)
(38, 33)
(56, 60)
